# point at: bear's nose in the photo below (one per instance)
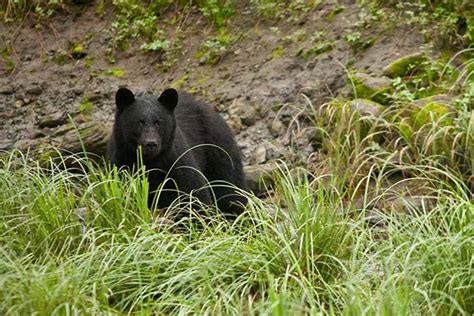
(151, 146)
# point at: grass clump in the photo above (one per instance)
(86, 242)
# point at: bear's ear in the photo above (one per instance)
(169, 98)
(124, 98)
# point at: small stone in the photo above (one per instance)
(244, 110)
(161, 222)
(411, 204)
(95, 96)
(260, 177)
(277, 128)
(235, 123)
(260, 155)
(7, 113)
(367, 107)
(249, 117)
(18, 104)
(78, 90)
(34, 90)
(38, 134)
(6, 89)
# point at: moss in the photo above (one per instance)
(318, 50)
(278, 52)
(432, 112)
(86, 106)
(375, 89)
(403, 66)
(115, 72)
(88, 61)
(335, 12)
(405, 128)
(78, 51)
(179, 83)
(60, 58)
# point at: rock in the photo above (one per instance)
(276, 128)
(426, 110)
(96, 96)
(235, 123)
(34, 89)
(6, 113)
(5, 88)
(6, 144)
(367, 108)
(315, 137)
(403, 66)
(69, 140)
(438, 98)
(94, 136)
(260, 155)
(432, 112)
(393, 197)
(372, 88)
(369, 111)
(18, 104)
(78, 90)
(53, 120)
(245, 111)
(412, 204)
(260, 178)
(161, 222)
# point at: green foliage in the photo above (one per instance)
(43, 9)
(6, 56)
(449, 23)
(86, 106)
(214, 48)
(218, 11)
(115, 72)
(134, 20)
(358, 42)
(279, 9)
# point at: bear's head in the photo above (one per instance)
(145, 122)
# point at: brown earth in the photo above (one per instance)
(262, 86)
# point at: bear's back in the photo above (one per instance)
(201, 125)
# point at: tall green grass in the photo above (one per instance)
(303, 251)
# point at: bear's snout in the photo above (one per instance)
(150, 148)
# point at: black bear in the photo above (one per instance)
(185, 145)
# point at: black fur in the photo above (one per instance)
(165, 128)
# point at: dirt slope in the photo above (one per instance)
(259, 85)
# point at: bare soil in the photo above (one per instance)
(262, 85)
